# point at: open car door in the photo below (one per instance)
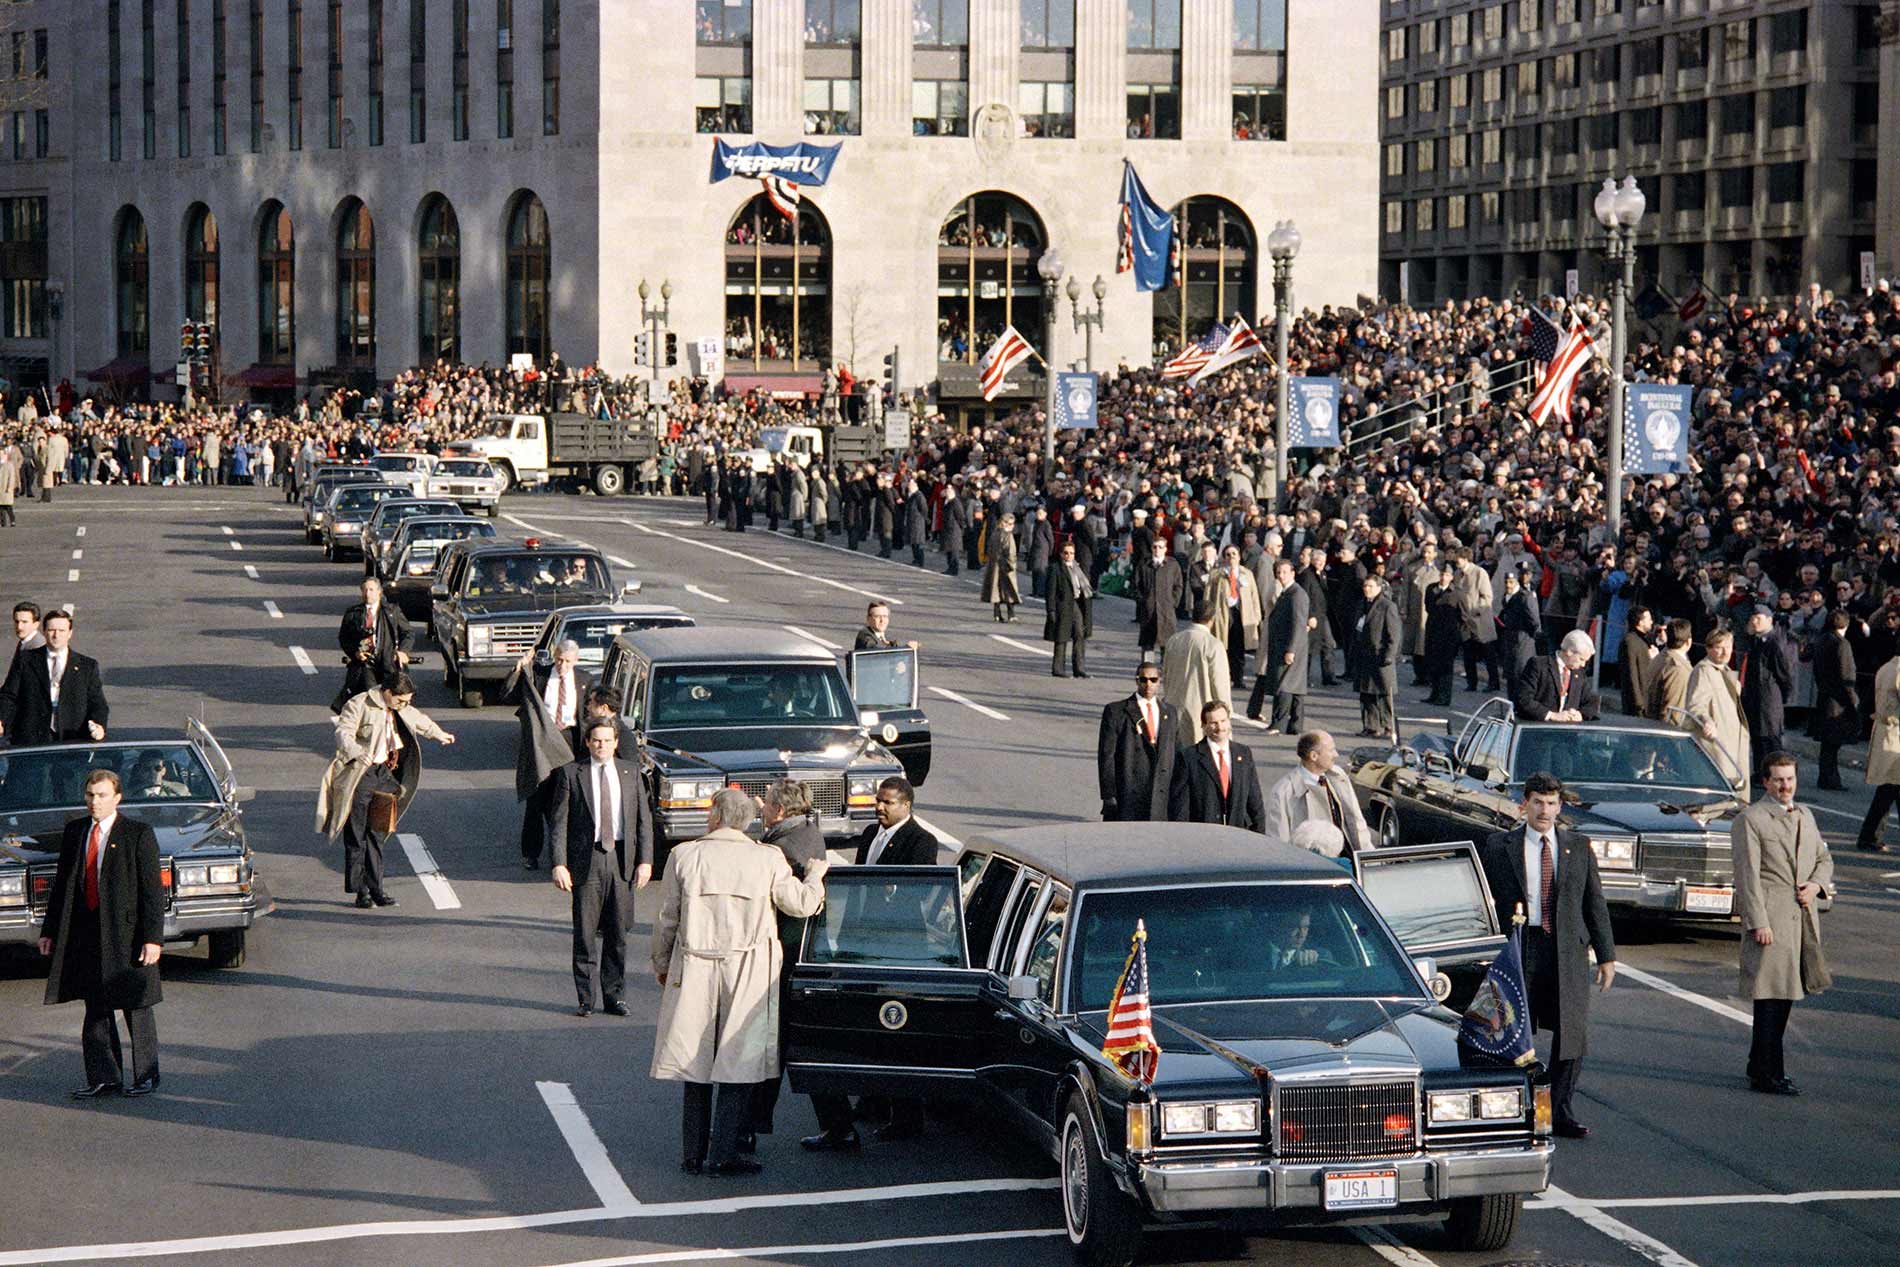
(882, 999)
(1436, 899)
(212, 751)
(886, 680)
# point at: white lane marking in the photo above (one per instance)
(798, 1251)
(969, 576)
(764, 563)
(272, 608)
(72, 574)
(433, 882)
(67, 608)
(619, 562)
(515, 1222)
(1718, 1198)
(809, 636)
(588, 1151)
(694, 589)
(526, 526)
(228, 530)
(1391, 1248)
(1639, 1242)
(1838, 813)
(302, 658)
(250, 571)
(78, 555)
(1248, 721)
(682, 523)
(1020, 646)
(971, 704)
(80, 531)
(237, 545)
(1687, 996)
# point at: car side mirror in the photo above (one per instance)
(1435, 762)
(244, 794)
(1436, 981)
(630, 588)
(868, 718)
(1024, 989)
(1482, 773)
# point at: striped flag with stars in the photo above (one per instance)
(1130, 1042)
(1559, 383)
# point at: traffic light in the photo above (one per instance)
(187, 340)
(203, 341)
(672, 348)
(887, 378)
(643, 349)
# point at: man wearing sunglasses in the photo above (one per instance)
(1134, 752)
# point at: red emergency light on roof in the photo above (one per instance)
(534, 543)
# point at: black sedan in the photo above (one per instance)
(1651, 799)
(1306, 1073)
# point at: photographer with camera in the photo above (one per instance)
(374, 637)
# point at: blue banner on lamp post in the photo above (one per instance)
(1075, 401)
(1656, 428)
(1312, 413)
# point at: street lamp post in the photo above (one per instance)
(55, 309)
(1619, 211)
(1283, 244)
(1049, 267)
(1087, 321)
(654, 317)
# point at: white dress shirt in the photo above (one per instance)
(1534, 874)
(879, 841)
(606, 809)
(563, 717)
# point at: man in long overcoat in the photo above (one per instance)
(1069, 620)
(1281, 669)
(1883, 756)
(717, 957)
(377, 750)
(1373, 660)
(1478, 627)
(1194, 671)
(1782, 866)
(1135, 750)
(1767, 677)
(1419, 577)
(1158, 590)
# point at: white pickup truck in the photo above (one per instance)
(530, 449)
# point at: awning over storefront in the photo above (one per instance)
(127, 371)
(264, 377)
(773, 384)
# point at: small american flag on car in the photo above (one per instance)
(1131, 1041)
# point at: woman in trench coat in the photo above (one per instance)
(999, 570)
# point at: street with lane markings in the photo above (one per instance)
(410, 1086)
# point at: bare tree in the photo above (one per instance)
(852, 304)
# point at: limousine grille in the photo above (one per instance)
(1693, 859)
(827, 791)
(513, 639)
(1346, 1121)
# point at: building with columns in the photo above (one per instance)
(345, 188)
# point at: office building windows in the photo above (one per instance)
(1154, 112)
(723, 103)
(333, 113)
(219, 138)
(550, 67)
(132, 288)
(504, 69)
(293, 77)
(1047, 109)
(148, 77)
(184, 78)
(418, 72)
(1154, 25)
(255, 34)
(939, 107)
(1048, 23)
(458, 92)
(373, 103)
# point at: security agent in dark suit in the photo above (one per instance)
(54, 695)
(375, 640)
(1552, 874)
(898, 840)
(1767, 680)
(876, 633)
(602, 852)
(1214, 781)
(1556, 688)
(103, 929)
(1135, 752)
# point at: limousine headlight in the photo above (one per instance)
(1227, 1117)
(689, 793)
(1614, 853)
(863, 794)
(1492, 1105)
(13, 889)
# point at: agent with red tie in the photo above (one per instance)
(374, 637)
(1135, 750)
(1214, 781)
(103, 927)
(1552, 874)
(1556, 688)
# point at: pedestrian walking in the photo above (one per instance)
(600, 834)
(1478, 628)
(916, 521)
(953, 518)
(9, 485)
(1194, 671)
(1669, 674)
(1316, 790)
(1135, 749)
(1238, 612)
(717, 956)
(1782, 866)
(1373, 661)
(550, 711)
(1835, 699)
(374, 637)
(103, 931)
(1068, 620)
(1281, 670)
(999, 570)
(1417, 580)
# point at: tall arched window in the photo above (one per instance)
(987, 249)
(132, 276)
(276, 287)
(528, 272)
(201, 266)
(355, 286)
(1213, 274)
(778, 287)
(439, 292)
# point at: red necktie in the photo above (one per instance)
(1563, 684)
(1148, 720)
(1233, 586)
(1546, 886)
(92, 868)
(1221, 757)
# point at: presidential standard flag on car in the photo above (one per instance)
(1147, 234)
(1130, 1043)
(1496, 1028)
(1009, 351)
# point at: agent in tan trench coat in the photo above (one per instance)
(1782, 867)
(1712, 708)
(1883, 755)
(376, 751)
(717, 957)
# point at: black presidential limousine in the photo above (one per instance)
(1307, 1073)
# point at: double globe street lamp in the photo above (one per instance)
(1049, 268)
(1283, 244)
(1619, 210)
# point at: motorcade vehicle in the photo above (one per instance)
(1652, 800)
(593, 627)
(1307, 1073)
(411, 470)
(531, 449)
(347, 511)
(381, 527)
(716, 706)
(185, 788)
(317, 493)
(470, 481)
(489, 605)
(407, 564)
(803, 445)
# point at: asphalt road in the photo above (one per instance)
(409, 1087)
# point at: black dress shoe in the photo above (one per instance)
(831, 1142)
(737, 1166)
(363, 902)
(1079, 673)
(530, 864)
(748, 1143)
(383, 899)
(584, 1010)
(891, 1132)
(618, 1007)
(1571, 1128)
(97, 1090)
(144, 1086)
(692, 1167)
(1874, 848)
(1774, 1086)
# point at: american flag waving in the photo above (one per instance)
(1196, 354)
(1131, 1041)
(1544, 334)
(1560, 376)
(783, 195)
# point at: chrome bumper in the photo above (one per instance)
(689, 824)
(189, 917)
(1211, 1185)
(1661, 897)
